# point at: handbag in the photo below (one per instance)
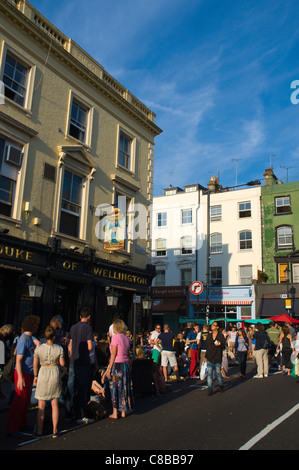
(9, 368)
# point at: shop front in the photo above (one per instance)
(276, 299)
(170, 303)
(69, 280)
(230, 302)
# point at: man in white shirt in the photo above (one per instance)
(153, 342)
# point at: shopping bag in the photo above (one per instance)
(297, 367)
(203, 370)
(293, 374)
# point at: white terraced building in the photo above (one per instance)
(180, 230)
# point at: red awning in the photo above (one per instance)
(167, 304)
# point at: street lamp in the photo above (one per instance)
(146, 305)
(35, 288)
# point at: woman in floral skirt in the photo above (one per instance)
(119, 373)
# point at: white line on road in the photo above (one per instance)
(269, 428)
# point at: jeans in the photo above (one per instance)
(78, 383)
(242, 358)
(211, 368)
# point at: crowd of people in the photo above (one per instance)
(78, 368)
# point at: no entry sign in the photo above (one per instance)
(196, 288)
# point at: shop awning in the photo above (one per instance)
(222, 302)
(272, 307)
(167, 304)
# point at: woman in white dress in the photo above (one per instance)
(49, 357)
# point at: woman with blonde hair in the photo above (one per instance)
(118, 371)
(48, 384)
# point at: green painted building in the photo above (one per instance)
(280, 229)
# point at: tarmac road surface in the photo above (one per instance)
(251, 414)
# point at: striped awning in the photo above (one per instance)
(222, 302)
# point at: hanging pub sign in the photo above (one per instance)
(114, 231)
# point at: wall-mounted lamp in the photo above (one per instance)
(35, 287)
(147, 303)
(112, 298)
(27, 209)
(37, 221)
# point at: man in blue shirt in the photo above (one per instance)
(168, 353)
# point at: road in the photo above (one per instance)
(187, 419)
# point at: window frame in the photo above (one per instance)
(30, 77)
(243, 276)
(216, 247)
(73, 159)
(295, 278)
(279, 246)
(188, 249)
(163, 250)
(284, 205)
(245, 241)
(161, 282)
(183, 281)
(73, 97)
(19, 140)
(217, 277)
(64, 210)
(186, 218)
(160, 223)
(218, 215)
(244, 211)
(132, 156)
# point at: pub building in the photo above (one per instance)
(68, 281)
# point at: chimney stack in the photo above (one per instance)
(214, 185)
(270, 178)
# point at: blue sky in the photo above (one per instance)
(217, 73)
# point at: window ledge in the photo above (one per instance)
(70, 238)
(26, 111)
(78, 141)
(11, 220)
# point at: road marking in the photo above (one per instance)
(269, 428)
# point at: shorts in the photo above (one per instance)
(168, 357)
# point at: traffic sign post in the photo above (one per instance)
(196, 287)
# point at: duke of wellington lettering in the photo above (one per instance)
(16, 253)
(119, 276)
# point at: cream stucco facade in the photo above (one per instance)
(48, 78)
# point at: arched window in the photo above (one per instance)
(284, 237)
